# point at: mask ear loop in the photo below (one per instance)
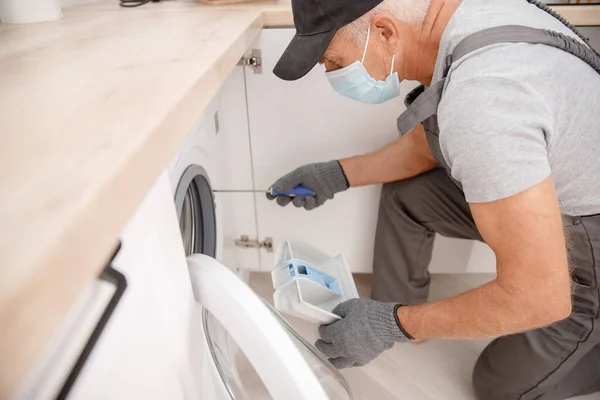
(366, 44)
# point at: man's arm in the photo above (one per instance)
(532, 288)
(406, 157)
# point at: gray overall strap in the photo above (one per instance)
(546, 8)
(525, 34)
(421, 108)
(425, 106)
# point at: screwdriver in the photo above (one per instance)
(297, 191)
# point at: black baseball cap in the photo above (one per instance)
(316, 23)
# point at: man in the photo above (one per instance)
(508, 153)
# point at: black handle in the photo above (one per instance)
(118, 279)
(135, 3)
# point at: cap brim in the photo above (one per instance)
(302, 54)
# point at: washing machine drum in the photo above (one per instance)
(195, 207)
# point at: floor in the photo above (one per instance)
(432, 370)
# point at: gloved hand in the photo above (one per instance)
(325, 179)
(367, 328)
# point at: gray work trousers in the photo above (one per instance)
(551, 363)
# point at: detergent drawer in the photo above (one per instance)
(310, 283)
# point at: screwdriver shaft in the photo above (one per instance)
(240, 191)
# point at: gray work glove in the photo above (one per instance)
(325, 179)
(367, 329)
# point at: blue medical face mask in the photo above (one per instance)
(355, 82)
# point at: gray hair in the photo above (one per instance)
(403, 10)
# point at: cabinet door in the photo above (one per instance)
(236, 217)
(235, 204)
(232, 168)
(293, 123)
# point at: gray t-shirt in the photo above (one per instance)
(512, 114)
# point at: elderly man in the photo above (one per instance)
(501, 144)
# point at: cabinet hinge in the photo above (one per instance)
(253, 60)
(246, 243)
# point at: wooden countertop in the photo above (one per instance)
(92, 107)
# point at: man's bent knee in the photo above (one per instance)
(492, 377)
(408, 192)
(484, 384)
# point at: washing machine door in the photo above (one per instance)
(256, 354)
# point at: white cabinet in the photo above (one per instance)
(236, 216)
(293, 123)
(232, 164)
(231, 175)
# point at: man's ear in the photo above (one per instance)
(387, 31)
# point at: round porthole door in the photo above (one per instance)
(195, 207)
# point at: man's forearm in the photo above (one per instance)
(532, 287)
(406, 157)
(488, 311)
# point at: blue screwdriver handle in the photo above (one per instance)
(297, 191)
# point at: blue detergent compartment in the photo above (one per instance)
(301, 269)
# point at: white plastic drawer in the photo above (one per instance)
(303, 297)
